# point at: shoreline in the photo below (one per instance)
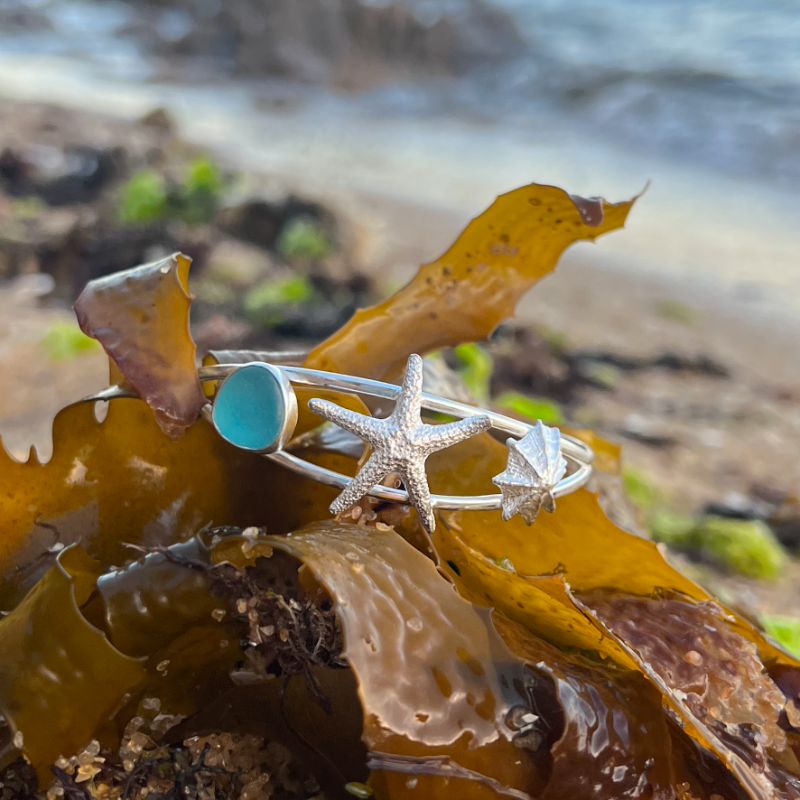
(733, 239)
(600, 297)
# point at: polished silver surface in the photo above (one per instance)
(400, 443)
(301, 376)
(578, 454)
(262, 356)
(535, 466)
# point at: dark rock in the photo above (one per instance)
(260, 222)
(737, 506)
(673, 362)
(701, 365)
(159, 120)
(314, 322)
(779, 509)
(76, 174)
(255, 221)
(342, 42)
(14, 173)
(96, 250)
(652, 432)
(525, 360)
(785, 522)
(23, 20)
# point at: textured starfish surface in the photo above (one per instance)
(535, 466)
(400, 443)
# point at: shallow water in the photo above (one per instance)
(711, 81)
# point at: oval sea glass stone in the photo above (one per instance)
(249, 409)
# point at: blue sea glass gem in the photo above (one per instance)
(250, 407)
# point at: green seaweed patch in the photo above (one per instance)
(267, 302)
(148, 196)
(547, 411)
(65, 341)
(640, 489)
(747, 547)
(303, 238)
(475, 366)
(143, 198)
(785, 630)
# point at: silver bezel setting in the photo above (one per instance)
(289, 398)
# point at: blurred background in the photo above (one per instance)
(310, 154)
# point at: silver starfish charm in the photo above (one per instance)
(400, 443)
(535, 466)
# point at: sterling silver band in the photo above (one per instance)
(576, 451)
(537, 462)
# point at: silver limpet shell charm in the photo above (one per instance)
(535, 465)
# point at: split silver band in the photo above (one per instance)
(576, 451)
(543, 463)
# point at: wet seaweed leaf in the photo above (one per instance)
(435, 679)
(581, 546)
(578, 541)
(693, 647)
(585, 729)
(757, 761)
(60, 678)
(328, 741)
(149, 604)
(141, 317)
(464, 295)
(541, 603)
(614, 739)
(123, 480)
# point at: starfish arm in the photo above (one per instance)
(409, 400)
(419, 494)
(437, 437)
(361, 425)
(370, 475)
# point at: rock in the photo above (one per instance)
(653, 432)
(158, 120)
(240, 265)
(99, 249)
(255, 221)
(23, 20)
(68, 176)
(341, 42)
(735, 505)
(785, 521)
(672, 362)
(525, 359)
(263, 223)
